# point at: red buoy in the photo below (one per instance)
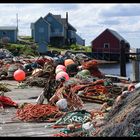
(19, 75)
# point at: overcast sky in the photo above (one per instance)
(89, 19)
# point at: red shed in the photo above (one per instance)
(107, 45)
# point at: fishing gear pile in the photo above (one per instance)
(124, 117)
(44, 112)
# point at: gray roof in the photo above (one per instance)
(61, 20)
(8, 27)
(71, 27)
(117, 35)
(57, 16)
(32, 24)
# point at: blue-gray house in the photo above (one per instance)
(9, 32)
(55, 31)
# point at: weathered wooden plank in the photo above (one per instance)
(15, 127)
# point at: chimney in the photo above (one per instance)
(67, 17)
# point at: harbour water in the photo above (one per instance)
(114, 69)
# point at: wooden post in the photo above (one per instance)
(122, 59)
(135, 68)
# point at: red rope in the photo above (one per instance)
(37, 112)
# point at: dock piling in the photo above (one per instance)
(122, 59)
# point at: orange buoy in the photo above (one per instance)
(19, 75)
(131, 87)
(68, 62)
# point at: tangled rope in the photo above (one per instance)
(74, 101)
(4, 88)
(92, 67)
(37, 112)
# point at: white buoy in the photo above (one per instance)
(62, 104)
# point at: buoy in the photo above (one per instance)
(62, 74)
(61, 67)
(19, 75)
(62, 104)
(58, 70)
(131, 87)
(68, 62)
(85, 72)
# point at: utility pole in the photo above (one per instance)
(17, 21)
(67, 28)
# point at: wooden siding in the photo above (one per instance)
(71, 34)
(79, 40)
(44, 35)
(57, 28)
(12, 34)
(56, 31)
(106, 37)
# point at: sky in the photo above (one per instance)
(90, 19)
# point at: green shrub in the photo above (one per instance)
(18, 49)
(74, 47)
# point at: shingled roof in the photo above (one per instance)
(8, 28)
(118, 36)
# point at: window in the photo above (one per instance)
(4, 33)
(106, 45)
(41, 29)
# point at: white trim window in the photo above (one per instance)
(106, 45)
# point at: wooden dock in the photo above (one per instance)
(13, 127)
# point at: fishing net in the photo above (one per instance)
(92, 66)
(4, 88)
(36, 81)
(124, 118)
(44, 78)
(45, 112)
(77, 116)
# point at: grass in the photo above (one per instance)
(26, 49)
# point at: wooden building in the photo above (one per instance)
(10, 32)
(107, 45)
(55, 31)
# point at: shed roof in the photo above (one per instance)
(117, 35)
(8, 27)
(114, 33)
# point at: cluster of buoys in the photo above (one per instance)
(60, 68)
(19, 75)
(61, 72)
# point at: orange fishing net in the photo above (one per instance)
(92, 66)
(37, 112)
